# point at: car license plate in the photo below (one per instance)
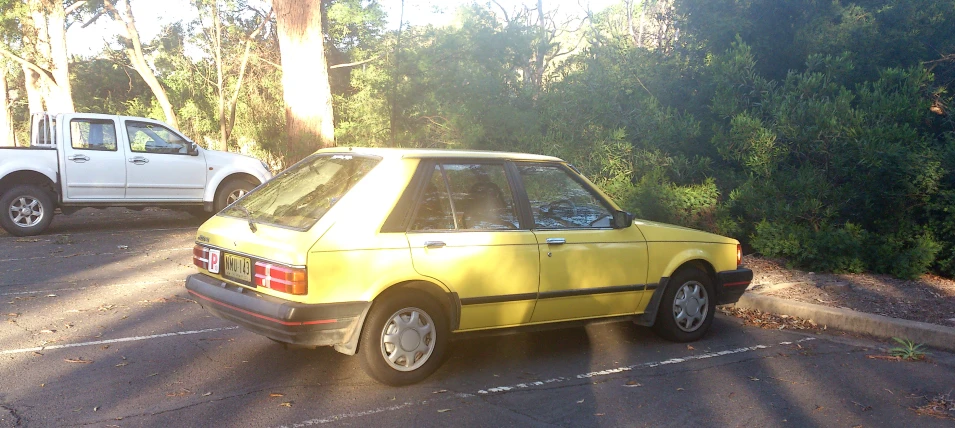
(237, 267)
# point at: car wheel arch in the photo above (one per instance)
(649, 315)
(448, 300)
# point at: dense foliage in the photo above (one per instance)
(817, 131)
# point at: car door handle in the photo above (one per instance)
(138, 160)
(78, 158)
(434, 244)
(556, 241)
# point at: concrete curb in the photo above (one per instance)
(936, 336)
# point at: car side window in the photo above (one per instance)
(481, 196)
(92, 134)
(558, 201)
(151, 138)
(466, 196)
(434, 209)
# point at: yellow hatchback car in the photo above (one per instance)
(387, 252)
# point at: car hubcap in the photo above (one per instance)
(234, 196)
(690, 306)
(407, 340)
(26, 211)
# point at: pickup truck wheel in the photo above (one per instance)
(231, 191)
(27, 210)
(404, 338)
(687, 309)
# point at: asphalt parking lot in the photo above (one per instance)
(99, 331)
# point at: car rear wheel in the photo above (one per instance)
(687, 308)
(404, 338)
(27, 210)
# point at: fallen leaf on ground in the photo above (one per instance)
(440, 391)
(580, 401)
(77, 360)
(443, 410)
(207, 394)
(690, 348)
(286, 404)
(276, 394)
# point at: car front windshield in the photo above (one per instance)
(300, 196)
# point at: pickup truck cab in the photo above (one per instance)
(94, 160)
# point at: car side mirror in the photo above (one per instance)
(622, 219)
(193, 149)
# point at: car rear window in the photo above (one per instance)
(301, 195)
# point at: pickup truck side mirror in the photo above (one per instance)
(622, 219)
(193, 149)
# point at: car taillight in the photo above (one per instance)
(200, 256)
(281, 278)
(739, 255)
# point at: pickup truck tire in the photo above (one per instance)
(230, 191)
(27, 210)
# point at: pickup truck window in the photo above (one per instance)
(92, 134)
(151, 138)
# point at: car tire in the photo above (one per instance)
(687, 308)
(404, 339)
(27, 210)
(230, 191)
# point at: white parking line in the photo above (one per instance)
(69, 256)
(529, 385)
(27, 239)
(21, 293)
(122, 339)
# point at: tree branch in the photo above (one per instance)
(72, 8)
(352, 64)
(39, 70)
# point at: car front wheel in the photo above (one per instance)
(27, 210)
(687, 308)
(404, 338)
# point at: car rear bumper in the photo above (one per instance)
(290, 322)
(732, 284)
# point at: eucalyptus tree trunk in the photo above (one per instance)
(6, 126)
(305, 87)
(134, 51)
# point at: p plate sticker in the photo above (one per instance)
(214, 258)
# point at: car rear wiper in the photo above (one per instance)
(248, 216)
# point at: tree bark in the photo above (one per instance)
(305, 87)
(6, 125)
(61, 100)
(134, 51)
(34, 91)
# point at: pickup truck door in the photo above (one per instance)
(159, 166)
(93, 162)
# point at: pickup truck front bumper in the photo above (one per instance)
(333, 324)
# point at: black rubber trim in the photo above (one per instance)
(497, 299)
(218, 293)
(732, 284)
(553, 294)
(649, 315)
(592, 291)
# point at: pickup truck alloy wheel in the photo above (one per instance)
(404, 338)
(231, 191)
(28, 210)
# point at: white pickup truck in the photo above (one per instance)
(94, 160)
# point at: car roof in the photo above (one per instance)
(437, 153)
